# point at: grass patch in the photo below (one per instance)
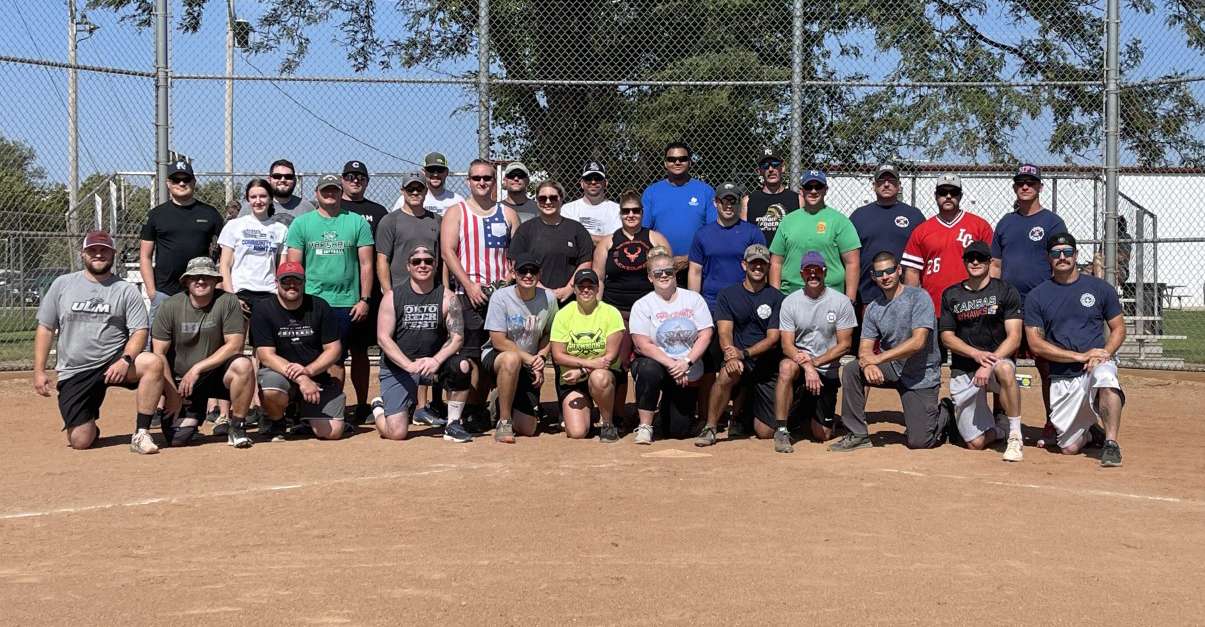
(1188, 323)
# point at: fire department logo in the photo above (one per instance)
(831, 316)
(1036, 234)
(902, 222)
(764, 311)
(1087, 300)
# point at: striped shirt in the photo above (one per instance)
(484, 241)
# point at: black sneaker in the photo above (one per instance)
(427, 416)
(608, 433)
(253, 417)
(237, 437)
(952, 435)
(1096, 437)
(455, 432)
(478, 421)
(301, 429)
(736, 430)
(851, 442)
(166, 426)
(1110, 454)
(271, 430)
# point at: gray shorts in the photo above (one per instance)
(399, 389)
(331, 399)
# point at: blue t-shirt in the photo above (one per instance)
(677, 211)
(1020, 245)
(751, 314)
(1073, 317)
(882, 228)
(720, 250)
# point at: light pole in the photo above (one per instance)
(237, 33)
(76, 24)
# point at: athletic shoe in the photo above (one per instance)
(608, 433)
(272, 430)
(782, 442)
(952, 434)
(1014, 451)
(706, 436)
(477, 420)
(166, 426)
(736, 430)
(644, 434)
(504, 432)
(1110, 455)
(213, 415)
(1096, 437)
(236, 436)
(142, 443)
(455, 432)
(301, 429)
(253, 417)
(426, 416)
(221, 425)
(851, 442)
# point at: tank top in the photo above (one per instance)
(484, 241)
(626, 278)
(418, 327)
(765, 211)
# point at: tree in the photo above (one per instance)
(32, 212)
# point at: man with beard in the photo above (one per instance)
(285, 204)
(932, 257)
(766, 207)
(102, 328)
(363, 331)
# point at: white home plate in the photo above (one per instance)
(674, 453)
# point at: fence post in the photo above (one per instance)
(1112, 136)
(162, 110)
(796, 92)
(72, 129)
(229, 182)
(483, 78)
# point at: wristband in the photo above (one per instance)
(129, 360)
(364, 299)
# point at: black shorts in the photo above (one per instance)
(807, 406)
(527, 394)
(475, 334)
(81, 395)
(583, 386)
(364, 333)
(713, 357)
(757, 383)
(209, 385)
(253, 300)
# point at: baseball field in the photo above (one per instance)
(552, 531)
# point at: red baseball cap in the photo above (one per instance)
(290, 269)
(98, 237)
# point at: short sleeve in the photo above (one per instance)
(696, 254)
(560, 326)
(232, 315)
(384, 238)
(150, 231)
(756, 236)
(701, 314)
(1033, 310)
(946, 320)
(215, 229)
(723, 309)
(161, 326)
(785, 314)
(521, 241)
(614, 321)
(923, 316)
(296, 237)
(363, 233)
(640, 319)
(136, 314)
(997, 245)
(1012, 303)
(227, 238)
(846, 319)
(780, 244)
(646, 199)
(870, 323)
(263, 332)
(584, 243)
(913, 255)
(708, 200)
(553, 308)
(48, 308)
(1111, 306)
(495, 315)
(847, 235)
(328, 326)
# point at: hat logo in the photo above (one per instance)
(902, 222)
(181, 165)
(813, 173)
(821, 227)
(1036, 234)
(1087, 300)
(356, 164)
(831, 316)
(764, 311)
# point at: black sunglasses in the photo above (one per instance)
(527, 270)
(481, 177)
(1061, 252)
(677, 159)
(354, 177)
(878, 274)
(552, 198)
(766, 165)
(282, 177)
(976, 258)
(180, 179)
(435, 170)
(416, 189)
(813, 187)
(593, 178)
(627, 211)
(422, 261)
(517, 176)
(948, 191)
(663, 273)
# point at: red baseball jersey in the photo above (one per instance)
(935, 249)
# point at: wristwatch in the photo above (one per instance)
(744, 353)
(129, 360)
(364, 299)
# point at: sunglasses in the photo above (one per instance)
(435, 171)
(291, 282)
(1057, 253)
(945, 191)
(813, 187)
(766, 165)
(515, 176)
(545, 199)
(1033, 184)
(481, 177)
(179, 180)
(813, 273)
(677, 159)
(355, 177)
(976, 259)
(878, 274)
(422, 261)
(663, 273)
(417, 189)
(282, 177)
(630, 211)
(527, 271)
(593, 178)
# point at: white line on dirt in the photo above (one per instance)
(1054, 488)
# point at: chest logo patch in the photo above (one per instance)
(902, 222)
(694, 201)
(764, 311)
(1036, 234)
(831, 316)
(1087, 300)
(821, 227)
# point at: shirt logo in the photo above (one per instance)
(821, 227)
(831, 316)
(902, 222)
(764, 311)
(571, 244)
(694, 202)
(1087, 300)
(1036, 234)
(964, 238)
(92, 305)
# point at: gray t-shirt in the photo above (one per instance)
(892, 321)
(527, 209)
(400, 227)
(525, 322)
(283, 212)
(194, 333)
(94, 320)
(815, 323)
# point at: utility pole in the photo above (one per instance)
(483, 79)
(162, 110)
(1112, 135)
(229, 100)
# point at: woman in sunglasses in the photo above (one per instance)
(562, 245)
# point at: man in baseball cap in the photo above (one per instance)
(819, 227)
(766, 206)
(439, 197)
(515, 179)
(884, 224)
(599, 215)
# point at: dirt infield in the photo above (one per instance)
(551, 531)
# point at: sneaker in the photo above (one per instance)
(236, 436)
(221, 425)
(1096, 437)
(166, 426)
(1013, 452)
(477, 420)
(253, 417)
(1110, 454)
(213, 415)
(142, 443)
(706, 436)
(850, 442)
(455, 432)
(644, 434)
(504, 432)
(427, 416)
(301, 428)
(272, 430)
(736, 430)
(608, 433)
(782, 442)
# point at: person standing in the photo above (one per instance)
(364, 331)
(439, 197)
(585, 339)
(766, 207)
(251, 248)
(717, 253)
(285, 204)
(563, 246)
(884, 224)
(932, 257)
(821, 228)
(599, 215)
(678, 205)
(515, 179)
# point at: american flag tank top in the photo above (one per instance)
(484, 241)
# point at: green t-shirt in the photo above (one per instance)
(194, 333)
(827, 232)
(585, 336)
(330, 254)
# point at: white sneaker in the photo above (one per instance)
(644, 434)
(1013, 452)
(142, 443)
(236, 436)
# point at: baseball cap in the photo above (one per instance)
(885, 169)
(516, 166)
(200, 266)
(949, 180)
(769, 154)
(179, 166)
(812, 258)
(97, 237)
(1027, 171)
(977, 247)
(813, 176)
(288, 269)
(1060, 239)
(525, 259)
(585, 274)
(329, 180)
(413, 177)
(593, 167)
(435, 160)
(730, 189)
(415, 245)
(757, 251)
(355, 167)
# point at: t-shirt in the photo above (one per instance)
(196, 333)
(372, 212)
(283, 212)
(180, 233)
(892, 322)
(526, 210)
(977, 318)
(256, 247)
(94, 320)
(814, 323)
(677, 211)
(525, 322)
(561, 247)
(298, 335)
(400, 227)
(1073, 316)
(585, 335)
(882, 228)
(766, 211)
(827, 232)
(436, 203)
(752, 314)
(600, 220)
(674, 325)
(330, 249)
(935, 249)
(720, 250)
(1020, 245)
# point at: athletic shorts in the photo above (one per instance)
(757, 383)
(972, 413)
(82, 394)
(1073, 401)
(209, 385)
(713, 357)
(475, 335)
(564, 389)
(253, 300)
(399, 389)
(343, 323)
(527, 394)
(363, 334)
(331, 399)
(807, 407)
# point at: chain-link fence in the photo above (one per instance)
(960, 85)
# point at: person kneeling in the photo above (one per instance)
(586, 336)
(296, 338)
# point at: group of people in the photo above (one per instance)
(708, 297)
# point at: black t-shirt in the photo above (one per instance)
(297, 335)
(180, 233)
(751, 314)
(765, 211)
(561, 248)
(374, 214)
(977, 318)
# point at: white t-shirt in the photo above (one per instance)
(256, 247)
(673, 326)
(436, 204)
(600, 220)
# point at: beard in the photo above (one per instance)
(105, 267)
(283, 194)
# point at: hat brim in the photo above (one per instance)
(327, 185)
(290, 275)
(1026, 177)
(215, 274)
(589, 172)
(757, 258)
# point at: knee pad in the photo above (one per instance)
(454, 376)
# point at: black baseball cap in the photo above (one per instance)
(179, 166)
(977, 247)
(1027, 171)
(1060, 239)
(525, 259)
(355, 167)
(768, 154)
(585, 274)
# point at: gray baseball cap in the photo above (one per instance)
(886, 169)
(755, 252)
(949, 180)
(413, 177)
(329, 180)
(729, 189)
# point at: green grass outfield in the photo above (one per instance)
(1191, 324)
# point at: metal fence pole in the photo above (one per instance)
(483, 79)
(229, 100)
(162, 110)
(72, 129)
(796, 93)
(1112, 135)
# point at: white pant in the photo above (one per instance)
(1073, 401)
(971, 412)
